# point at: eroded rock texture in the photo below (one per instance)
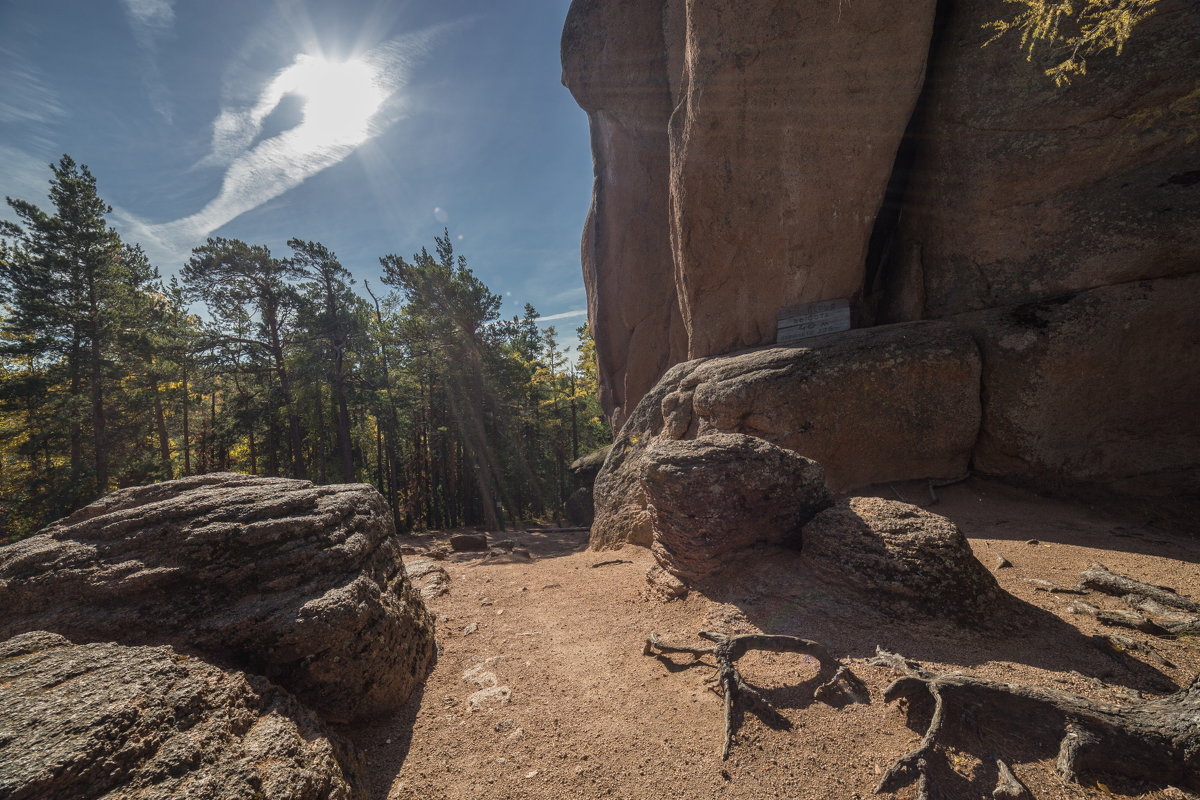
(303, 584)
(708, 498)
(92, 721)
(1022, 191)
(615, 64)
(1100, 387)
(906, 561)
(869, 405)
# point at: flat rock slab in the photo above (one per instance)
(303, 584)
(909, 562)
(91, 721)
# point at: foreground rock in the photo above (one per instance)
(300, 583)
(107, 721)
(713, 496)
(1100, 388)
(908, 562)
(870, 405)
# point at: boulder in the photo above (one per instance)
(714, 496)
(580, 507)
(102, 720)
(787, 118)
(462, 542)
(615, 64)
(905, 561)
(876, 404)
(1100, 387)
(1021, 190)
(303, 584)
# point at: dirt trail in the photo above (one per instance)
(559, 702)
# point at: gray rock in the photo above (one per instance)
(92, 721)
(714, 496)
(303, 584)
(905, 561)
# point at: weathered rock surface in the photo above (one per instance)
(1022, 191)
(786, 124)
(300, 583)
(615, 64)
(1101, 387)
(107, 721)
(714, 496)
(908, 562)
(869, 405)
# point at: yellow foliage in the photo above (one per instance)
(1081, 28)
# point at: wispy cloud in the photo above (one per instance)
(580, 312)
(24, 96)
(345, 105)
(151, 20)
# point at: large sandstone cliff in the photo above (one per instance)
(743, 153)
(758, 155)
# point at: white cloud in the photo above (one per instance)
(345, 105)
(150, 16)
(581, 312)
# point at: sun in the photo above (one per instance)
(340, 97)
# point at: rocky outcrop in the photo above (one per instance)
(1021, 191)
(708, 498)
(84, 721)
(786, 124)
(869, 405)
(615, 64)
(303, 584)
(726, 186)
(903, 560)
(1100, 387)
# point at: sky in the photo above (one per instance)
(367, 125)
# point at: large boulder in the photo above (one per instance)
(92, 721)
(303, 584)
(1021, 190)
(1100, 387)
(615, 64)
(714, 496)
(876, 404)
(905, 561)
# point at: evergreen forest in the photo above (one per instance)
(250, 362)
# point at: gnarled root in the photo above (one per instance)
(840, 687)
(1156, 740)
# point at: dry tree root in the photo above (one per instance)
(1146, 600)
(842, 685)
(1156, 740)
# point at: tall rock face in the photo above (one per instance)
(615, 64)
(1021, 191)
(787, 120)
(726, 184)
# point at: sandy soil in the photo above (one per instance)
(541, 689)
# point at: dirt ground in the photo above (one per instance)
(541, 688)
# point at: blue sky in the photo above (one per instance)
(367, 125)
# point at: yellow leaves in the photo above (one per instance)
(1099, 25)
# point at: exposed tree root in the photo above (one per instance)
(1155, 740)
(841, 686)
(1176, 613)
